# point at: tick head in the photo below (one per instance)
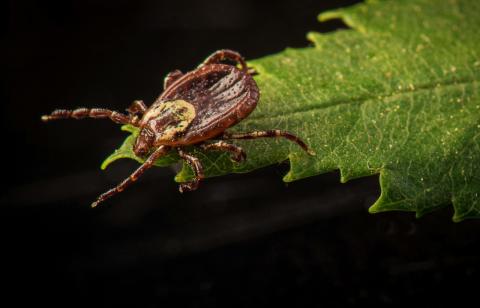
(144, 142)
(167, 120)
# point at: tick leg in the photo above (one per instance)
(171, 77)
(226, 54)
(237, 153)
(160, 151)
(137, 108)
(195, 164)
(95, 113)
(252, 71)
(268, 134)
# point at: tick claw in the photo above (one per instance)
(239, 158)
(184, 188)
(188, 186)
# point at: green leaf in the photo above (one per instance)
(395, 95)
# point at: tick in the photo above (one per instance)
(194, 109)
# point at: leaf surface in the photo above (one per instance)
(395, 95)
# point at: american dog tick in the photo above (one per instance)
(194, 108)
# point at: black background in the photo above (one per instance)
(240, 240)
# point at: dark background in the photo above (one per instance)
(240, 240)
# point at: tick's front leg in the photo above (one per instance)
(94, 113)
(237, 153)
(162, 150)
(171, 77)
(195, 164)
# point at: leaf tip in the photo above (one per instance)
(419, 215)
(461, 214)
(373, 209)
(104, 164)
(178, 178)
(130, 128)
(287, 178)
(377, 206)
(329, 15)
(458, 217)
(456, 220)
(345, 175)
(345, 16)
(110, 159)
(184, 174)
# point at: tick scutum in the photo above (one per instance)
(222, 96)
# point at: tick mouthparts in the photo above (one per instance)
(94, 204)
(45, 118)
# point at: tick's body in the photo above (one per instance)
(195, 107)
(222, 96)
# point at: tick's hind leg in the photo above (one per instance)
(195, 164)
(237, 153)
(171, 77)
(226, 54)
(269, 134)
(162, 150)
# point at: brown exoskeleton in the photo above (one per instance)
(194, 107)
